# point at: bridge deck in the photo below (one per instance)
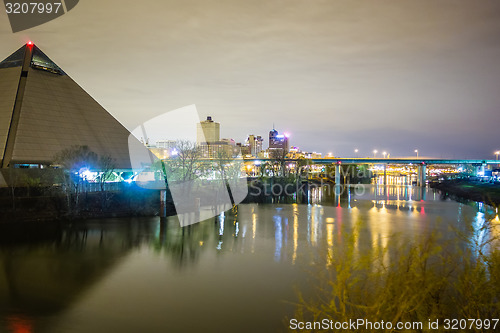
(385, 161)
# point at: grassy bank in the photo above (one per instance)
(471, 190)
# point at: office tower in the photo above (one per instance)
(207, 131)
(255, 144)
(278, 141)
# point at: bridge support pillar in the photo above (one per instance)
(337, 174)
(421, 174)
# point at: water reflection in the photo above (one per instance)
(242, 262)
(278, 237)
(19, 324)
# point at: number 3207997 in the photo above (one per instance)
(32, 8)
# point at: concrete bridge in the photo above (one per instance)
(421, 164)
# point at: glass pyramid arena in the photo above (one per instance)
(43, 111)
(38, 60)
(15, 59)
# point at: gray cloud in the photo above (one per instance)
(336, 74)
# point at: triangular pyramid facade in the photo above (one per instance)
(43, 111)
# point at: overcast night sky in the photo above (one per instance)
(337, 75)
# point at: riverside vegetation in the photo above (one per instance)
(428, 277)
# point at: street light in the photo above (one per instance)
(375, 153)
(416, 151)
(384, 153)
(497, 153)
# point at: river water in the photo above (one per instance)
(237, 272)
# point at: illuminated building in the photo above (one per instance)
(312, 155)
(278, 143)
(255, 144)
(295, 152)
(244, 148)
(224, 148)
(207, 131)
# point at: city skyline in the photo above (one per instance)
(337, 75)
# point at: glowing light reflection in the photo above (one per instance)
(278, 237)
(295, 232)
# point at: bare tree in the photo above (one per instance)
(185, 164)
(228, 170)
(75, 160)
(106, 166)
(279, 155)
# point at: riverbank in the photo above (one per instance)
(52, 204)
(471, 190)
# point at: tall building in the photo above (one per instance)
(43, 111)
(207, 131)
(244, 148)
(224, 148)
(255, 144)
(278, 141)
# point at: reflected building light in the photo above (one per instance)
(309, 218)
(286, 231)
(329, 241)
(221, 224)
(480, 232)
(337, 192)
(314, 233)
(339, 223)
(349, 197)
(254, 230)
(219, 246)
(237, 231)
(295, 232)
(278, 237)
(383, 209)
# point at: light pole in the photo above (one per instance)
(375, 153)
(497, 153)
(416, 152)
(384, 153)
(356, 152)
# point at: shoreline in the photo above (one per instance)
(470, 190)
(457, 189)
